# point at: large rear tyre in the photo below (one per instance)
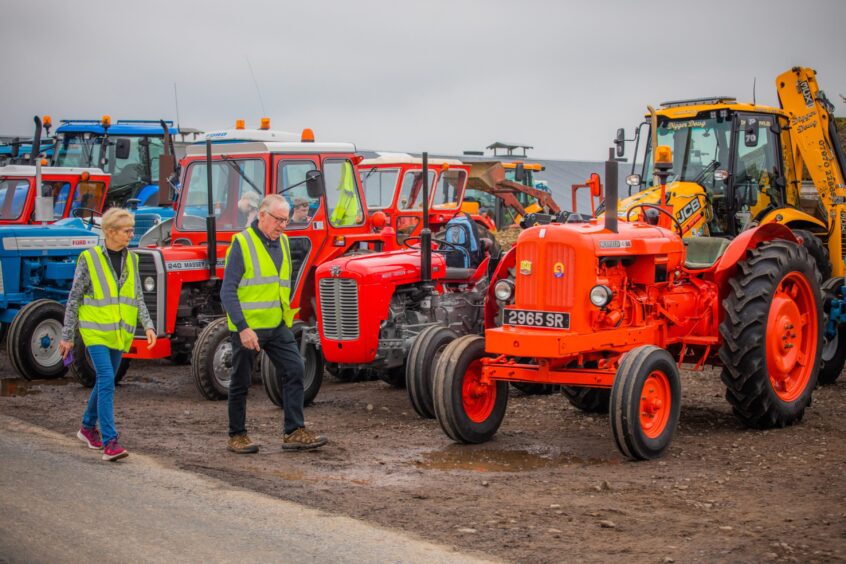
(468, 410)
(818, 251)
(211, 362)
(420, 366)
(645, 402)
(312, 377)
(833, 355)
(33, 340)
(772, 335)
(82, 369)
(589, 400)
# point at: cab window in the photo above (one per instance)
(342, 201)
(13, 193)
(303, 208)
(756, 168)
(411, 192)
(379, 185)
(59, 191)
(448, 189)
(231, 179)
(88, 195)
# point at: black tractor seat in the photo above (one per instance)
(703, 252)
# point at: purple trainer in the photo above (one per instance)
(114, 451)
(90, 437)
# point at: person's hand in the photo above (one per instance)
(249, 339)
(151, 339)
(65, 347)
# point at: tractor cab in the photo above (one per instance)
(393, 185)
(73, 192)
(729, 170)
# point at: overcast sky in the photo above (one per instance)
(442, 76)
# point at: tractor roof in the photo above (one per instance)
(680, 109)
(29, 170)
(121, 127)
(405, 158)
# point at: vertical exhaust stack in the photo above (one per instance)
(611, 191)
(425, 233)
(211, 225)
(36, 141)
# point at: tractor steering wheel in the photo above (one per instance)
(675, 221)
(463, 251)
(76, 212)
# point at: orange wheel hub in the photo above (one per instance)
(477, 398)
(791, 340)
(655, 403)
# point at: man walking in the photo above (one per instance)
(256, 295)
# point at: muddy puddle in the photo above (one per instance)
(491, 460)
(16, 387)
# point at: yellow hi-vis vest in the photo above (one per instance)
(346, 211)
(107, 316)
(263, 292)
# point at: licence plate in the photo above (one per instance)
(551, 319)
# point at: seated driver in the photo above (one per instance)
(299, 211)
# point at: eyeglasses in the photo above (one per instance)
(279, 220)
(127, 230)
(302, 206)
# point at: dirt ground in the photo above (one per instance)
(550, 487)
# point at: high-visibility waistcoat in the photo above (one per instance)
(346, 211)
(263, 292)
(107, 316)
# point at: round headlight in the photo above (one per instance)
(600, 295)
(149, 284)
(503, 290)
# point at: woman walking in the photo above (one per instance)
(106, 302)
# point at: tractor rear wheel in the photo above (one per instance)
(818, 251)
(312, 377)
(82, 368)
(33, 340)
(468, 410)
(589, 400)
(772, 335)
(833, 355)
(422, 359)
(211, 363)
(645, 402)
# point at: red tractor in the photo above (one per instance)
(611, 313)
(393, 312)
(181, 280)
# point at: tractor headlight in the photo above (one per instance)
(149, 284)
(600, 295)
(503, 290)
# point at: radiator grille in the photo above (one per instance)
(339, 309)
(148, 267)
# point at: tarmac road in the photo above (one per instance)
(59, 503)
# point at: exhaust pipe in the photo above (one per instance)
(425, 233)
(36, 141)
(611, 191)
(211, 222)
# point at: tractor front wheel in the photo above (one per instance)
(468, 409)
(772, 335)
(312, 377)
(834, 349)
(211, 363)
(645, 402)
(33, 340)
(422, 359)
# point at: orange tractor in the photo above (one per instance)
(611, 310)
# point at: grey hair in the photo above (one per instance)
(115, 217)
(271, 199)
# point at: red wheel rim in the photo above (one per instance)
(791, 340)
(655, 402)
(478, 399)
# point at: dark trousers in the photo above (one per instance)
(283, 352)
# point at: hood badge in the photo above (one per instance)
(558, 269)
(335, 271)
(525, 267)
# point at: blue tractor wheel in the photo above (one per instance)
(33, 340)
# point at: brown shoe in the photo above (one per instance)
(241, 444)
(303, 439)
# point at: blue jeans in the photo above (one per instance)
(101, 401)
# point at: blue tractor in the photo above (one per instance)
(139, 155)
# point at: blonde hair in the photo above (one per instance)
(115, 217)
(271, 199)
